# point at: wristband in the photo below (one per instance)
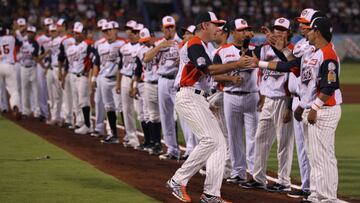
(263, 64)
(135, 84)
(93, 79)
(317, 104)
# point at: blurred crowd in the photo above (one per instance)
(345, 14)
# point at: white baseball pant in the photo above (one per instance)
(139, 104)
(167, 93)
(211, 150)
(18, 80)
(99, 106)
(8, 78)
(42, 92)
(128, 111)
(29, 88)
(151, 99)
(216, 101)
(80, 87)
(270, 125)
(55, 93)
(67, 105)
(241, 115)
(320, 148)
(4, 104)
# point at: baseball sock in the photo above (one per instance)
(156, 132)
(146, 129)
(86, 112)
(112, 122)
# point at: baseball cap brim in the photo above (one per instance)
(244, 28)
(218, 22)
(301, 20)
(168, 25)
(146, 39)
(280, 27)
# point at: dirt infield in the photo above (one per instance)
(146, 173)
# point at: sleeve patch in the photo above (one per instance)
(331, 77)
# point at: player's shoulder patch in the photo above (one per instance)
(331, 77)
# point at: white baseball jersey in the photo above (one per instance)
(194, 60)
(302, 47)
(78, 57)
(55, 50)
(230, 53)
(45, 42)
(99, 41)
(168, 57)
(28, 51)
(65, 44)
(127, 59)
(107, 57)
(20, 36)
(320, 73)
(8, 44)
(272, 83)
(150, 68)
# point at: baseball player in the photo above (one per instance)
(125, 81)
(44, 41)
(30, 56)
(106, 67)
(275, 119)
(167, 50)
(78, 57)
(319, 107)
(4, 104)
(67, 41)
(240, 102)
(194, 80)
(99, 105)
(54, 86)
(8, 44)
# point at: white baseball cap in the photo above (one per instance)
(48, 21)
(31, 28)
(115, 24)
(306, 15)
(144, 35)
(52, 27)
(78, 27)
(138, 27)
(168, 21)
(21, 21)
(282, 22)
(190, 28)
(241, 24)
(101, 22)
(107, 26)
(60, 22)
(130, 24)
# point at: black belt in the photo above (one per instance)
(111, 77)
(127, 76)
(80, 74)
(169, 77)
(29, 66)
(237, 92)
(200, 92)
(152, 82)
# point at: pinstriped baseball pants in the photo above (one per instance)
(211, 150)
(320, 148)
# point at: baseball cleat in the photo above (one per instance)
(211, 199)
(178, 191)
(96, 134)
(52, 122)
(252, 184)
(110, 139)
(168, 156)
(278, 188)
(236, 180)
(298, 193)
(83, 130)
(129, 144)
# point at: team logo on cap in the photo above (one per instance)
(168, 20)
(142, 34)
(243, 22)
(304, 13)
(281, 20)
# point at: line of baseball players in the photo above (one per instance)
(230, 113)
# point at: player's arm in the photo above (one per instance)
(225, 78)
(149, 55)
(137, 77)
(201, 60)
(95, 69)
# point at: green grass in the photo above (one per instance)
(350, 72)
(62, 178)
(347, 153)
